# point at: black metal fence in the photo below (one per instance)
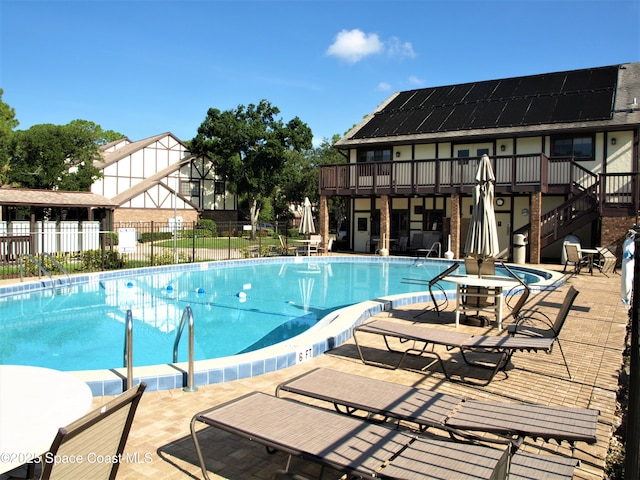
(55, 250)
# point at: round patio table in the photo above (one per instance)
(34, 403)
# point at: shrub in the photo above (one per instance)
(210, 225)
(92, 260)
(148, 236)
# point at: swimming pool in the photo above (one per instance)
(238, 306)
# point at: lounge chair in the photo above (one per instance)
(347, 444)
(528, 323)
(416, 242)
(522, 291)
(574, 257)
(442, 301)
(100, 435)
(504, 346)
(350, 393)
(357, 447)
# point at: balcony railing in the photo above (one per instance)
(515, 173)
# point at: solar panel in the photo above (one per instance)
(505, 88)
(599, 106)
(460, 118)
(568, 108)
(574, 96)
(513, 113)
(486, 115)
(540, 110)
(480, 91)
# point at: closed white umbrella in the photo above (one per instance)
(307, 226)
(626, 280)
(482, 238)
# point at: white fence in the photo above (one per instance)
(50, 237)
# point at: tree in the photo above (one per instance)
(249, 147)
(48, 156)
(7, 123)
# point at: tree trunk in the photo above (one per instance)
(254, 211)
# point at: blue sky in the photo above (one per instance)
(147, 67)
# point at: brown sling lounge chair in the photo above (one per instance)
(347, 444)
(503, 346)
(351, 393)
(99, 435)
(363, 449)
(442, 301)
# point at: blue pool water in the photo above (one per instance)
(237, 307)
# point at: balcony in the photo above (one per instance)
(514, 174)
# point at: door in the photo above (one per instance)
(503, 220)
(362, 232)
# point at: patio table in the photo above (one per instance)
(494, 287)
(34, 403)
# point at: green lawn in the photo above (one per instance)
(218, 242)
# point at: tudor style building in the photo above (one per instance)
(155, 178)
(564, 147)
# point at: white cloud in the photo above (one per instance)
(383, 86)
(398, 49)
(354, 45)
(413, 80)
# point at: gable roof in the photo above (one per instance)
(53, 198)
(151, 181)
(576, 98)
(113, 156)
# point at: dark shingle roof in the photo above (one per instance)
(572, 96)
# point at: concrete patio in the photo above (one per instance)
(593, 339)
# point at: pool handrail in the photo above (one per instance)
(128, 349)
(187, 315)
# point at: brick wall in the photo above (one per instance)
(148, 215)
(613, 231)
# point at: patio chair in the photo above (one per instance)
(287, 249)
(101, 434)
(475, 301)
(442, 302)
(608, 260)
(321, 248)
(314, 245)
(528, 323)
(347, 444)
(574, 257)
(379, 399)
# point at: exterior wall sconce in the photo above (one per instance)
(503, 148)
(613, 140)
(397, 153)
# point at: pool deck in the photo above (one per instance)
(593, 339)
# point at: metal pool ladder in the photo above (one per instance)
(187, 316)
(46, 272)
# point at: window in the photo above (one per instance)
(379, 155)
(578, 147)
(219, 188)
(432, 220)
(190, 189)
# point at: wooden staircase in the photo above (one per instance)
(578, 211)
